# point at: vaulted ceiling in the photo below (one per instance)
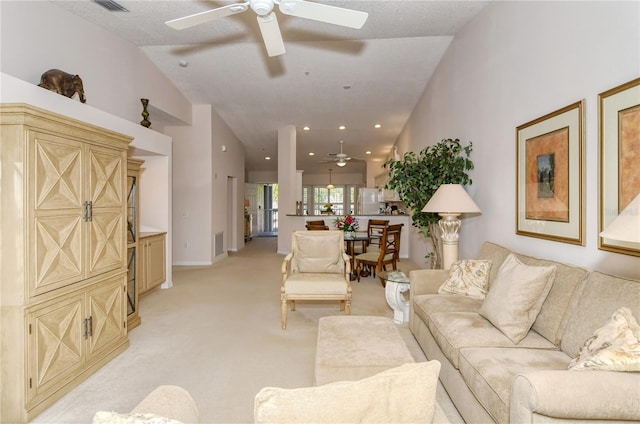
(329, 76)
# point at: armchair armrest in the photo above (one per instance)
(286, 262)
(426, 281)
(579, 395)
(347, 265)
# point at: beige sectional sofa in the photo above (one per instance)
(492, 379)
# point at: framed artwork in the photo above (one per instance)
(550, 176)
(619, 133)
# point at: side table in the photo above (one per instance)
(397, 284)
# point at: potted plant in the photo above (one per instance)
(416, 177)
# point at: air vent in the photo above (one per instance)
(111, 5)
(219, 244)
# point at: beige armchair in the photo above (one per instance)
(316, 269)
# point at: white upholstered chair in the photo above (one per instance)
(316, 269)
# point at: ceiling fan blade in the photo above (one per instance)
(271, 34)
(207, 16)
(324, 13)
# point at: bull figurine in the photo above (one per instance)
(63, 83)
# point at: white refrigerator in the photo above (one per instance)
(368, 201)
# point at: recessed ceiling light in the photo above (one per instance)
(342, 127)
(377, 126)
(311, 154)
(368, 152)
(306, 128)
(267, 157)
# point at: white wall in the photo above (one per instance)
(192, 189)
(515, 62)
(228, 164)
(38, 35)
(201, 170)
(116, 74)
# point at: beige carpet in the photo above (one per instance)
(217, 334)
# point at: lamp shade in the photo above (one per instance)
(451, 198)
(626, 227)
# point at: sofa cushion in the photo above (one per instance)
(490, 372)
(600, 296)
(468, 278)
(456, 330)
(553, 314)
(404, 394)
(614, 347)
(516, 296)
(426, 304)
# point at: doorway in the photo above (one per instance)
(270, 210)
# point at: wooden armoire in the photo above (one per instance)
(63, 255)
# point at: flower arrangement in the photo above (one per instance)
(348, 223)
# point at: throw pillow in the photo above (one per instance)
(468, 278)
(110, 417)
(613, 347)
(404, 394)
(516, 297)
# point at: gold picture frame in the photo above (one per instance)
(550, 176)
(619, 149)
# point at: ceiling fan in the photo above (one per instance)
(341, 158)
(269, 23)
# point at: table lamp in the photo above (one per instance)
(449, 201)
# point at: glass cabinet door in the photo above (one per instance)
(133, 264)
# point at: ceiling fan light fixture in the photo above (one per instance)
(261, 7)
(341, 163)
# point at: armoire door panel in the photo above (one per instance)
(58, 173)
(57, 258)
(106, 242)
(55, 344)
(106, 178)
(106, 308)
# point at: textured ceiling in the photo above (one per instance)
(386, 64)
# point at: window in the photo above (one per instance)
(342, 198)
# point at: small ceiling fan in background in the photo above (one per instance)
(341, 158)
(269, 23)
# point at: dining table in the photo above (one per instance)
(350, 239)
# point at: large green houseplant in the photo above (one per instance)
(416, 177)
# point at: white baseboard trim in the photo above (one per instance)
(192, 263)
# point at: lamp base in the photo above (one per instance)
(449, 254)
(449, 226)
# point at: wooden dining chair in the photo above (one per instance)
(389, 253)
(375, 228)
(316, 225)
